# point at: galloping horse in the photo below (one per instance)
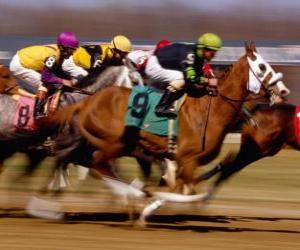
(12, 140)
(273, 129)
(203, 123)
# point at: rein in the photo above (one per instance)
(82, 91)
(6, 90)
(232, 101)
(206, 122)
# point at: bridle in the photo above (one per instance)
(261, 70)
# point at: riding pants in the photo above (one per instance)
(29, 76)
(166, 78)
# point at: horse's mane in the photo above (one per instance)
(226, 72)
(110, 75)
(285, 107)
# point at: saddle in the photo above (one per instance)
(141, 111)
(24, 116)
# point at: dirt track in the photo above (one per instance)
(258, 209)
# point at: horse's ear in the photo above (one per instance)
(248, 48)
(253, 46)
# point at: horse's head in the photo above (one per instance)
(7, 81)
(262, 74)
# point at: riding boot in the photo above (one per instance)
(40, 102)
(165, 107)
(39, 108)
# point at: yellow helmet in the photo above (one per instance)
(209, 41)
(121, 43)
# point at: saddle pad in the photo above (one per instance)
(23, 118)
(297, 124)
(141, 111)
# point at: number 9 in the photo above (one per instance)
(140, 103)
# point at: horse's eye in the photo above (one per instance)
(262, 67)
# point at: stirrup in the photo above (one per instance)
(39, 116)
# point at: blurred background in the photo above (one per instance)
(257, 210)
(273, 24)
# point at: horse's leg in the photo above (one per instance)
(35, 158)
(210, 173)
(186, 179)
(254, 146)
(102, 165)
(145, 166)
(149, 210)
(43, 208)
(128, 192)
(1, 166)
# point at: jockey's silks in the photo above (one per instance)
(33, 57)
(83, 58)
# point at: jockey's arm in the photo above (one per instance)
(74, 71)
(48, 77)
(189, 71)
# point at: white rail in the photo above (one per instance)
(283, 55)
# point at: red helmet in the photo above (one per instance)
(161, 44)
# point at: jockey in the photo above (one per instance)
(89, 58)
(181, 63)
(137, 59)
(52, 71)
(36, 66)
(161, 43)
(27, 63)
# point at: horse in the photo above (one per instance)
(12, 140)
(99, 122)
(272, 129)
(8, 83)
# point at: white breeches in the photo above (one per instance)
(74, 71)
(157, 74)
(30, 76)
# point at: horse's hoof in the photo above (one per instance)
(140, 224)
(44, 209)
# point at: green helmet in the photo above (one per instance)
(209, 41)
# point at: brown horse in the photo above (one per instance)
(273, 128)
(203, 122)
(8, 83)
(101, 120)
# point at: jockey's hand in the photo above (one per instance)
(212, 82)
(211, 86)
(68, 83)
(212, 90)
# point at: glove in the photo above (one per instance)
(211, 87)
(212, 81)
(212, 90)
